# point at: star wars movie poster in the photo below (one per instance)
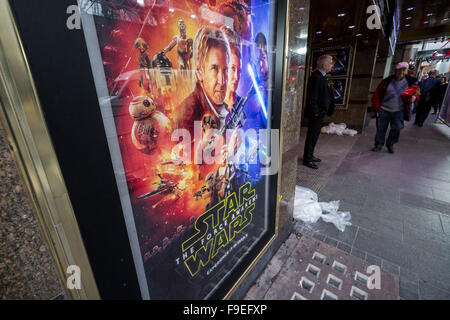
(185, 94)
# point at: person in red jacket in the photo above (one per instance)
(392, 101)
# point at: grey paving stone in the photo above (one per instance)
(329, 230)
(418, 190)
(423, 219)
(409, 275)
(334, 184)
(379, 224)
(345, 168)
(379, 189)
(446, 223)
(428, 292)
(373, 260)
(349, 207)
(357, 179)
(319, 236)
(406, 294)
(424, 203)
(353, 156)
(430, 267)
(358, 253)
(441, 195)
(390, 210)
(331, 242)
(437, 243)
(384, 247)
(405, 180)
(326, 196)
(381, 204)
(307, 231)
(349, 194)
(346, 248)
(442, 175)
(385, 210)
(391, 267)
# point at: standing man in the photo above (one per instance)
(392, 101)
(430, 90)
(319, 102)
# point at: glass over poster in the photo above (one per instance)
(185, 91)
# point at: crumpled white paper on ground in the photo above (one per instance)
(308, 209)
(338, 129)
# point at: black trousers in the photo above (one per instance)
(314, 127)
(423, 110)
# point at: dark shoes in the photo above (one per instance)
(311, 164)
(376, 149)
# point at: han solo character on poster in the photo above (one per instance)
(207, 102)
(211, 60)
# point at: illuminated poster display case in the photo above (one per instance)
(159, 120)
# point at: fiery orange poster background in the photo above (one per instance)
(159, 216)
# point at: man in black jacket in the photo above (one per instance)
(319, 102)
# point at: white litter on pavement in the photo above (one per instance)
(339, 129)
(308, 209)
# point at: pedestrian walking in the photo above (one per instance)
(392, 101)
(430, 91)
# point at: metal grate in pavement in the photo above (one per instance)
(317, 271)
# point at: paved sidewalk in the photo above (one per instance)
(400, 205)
(331, 148)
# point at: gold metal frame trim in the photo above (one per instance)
(22, 118)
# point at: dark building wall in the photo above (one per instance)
(335, 33)
(359, 91)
